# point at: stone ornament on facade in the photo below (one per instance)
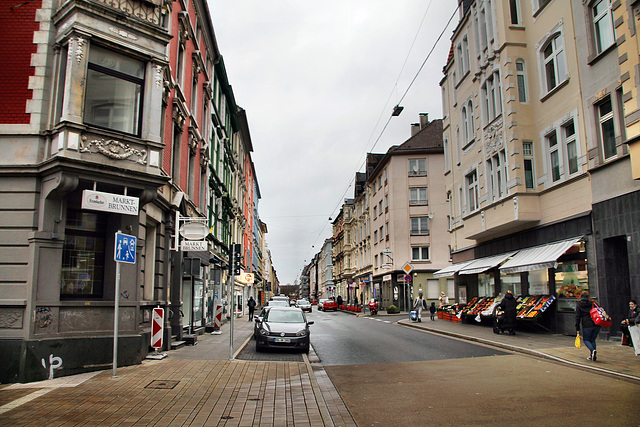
(123, 33)
(493, 137)
(11, 319)
(159, 77)
(113, 149)
(79, 49)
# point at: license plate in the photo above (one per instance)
(283, 340)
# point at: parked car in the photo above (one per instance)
(330, 304)
(283, 327)
(277, 303)
(292, 302)
(303, 305)
(321, 303)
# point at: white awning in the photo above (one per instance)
(538, 257)
(481, 265)
(452, 269)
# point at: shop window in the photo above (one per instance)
(83, 254)
(510, 282)
(114, 91)
(486, 285)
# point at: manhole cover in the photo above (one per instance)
(164, 384)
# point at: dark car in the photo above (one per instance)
(330, 304)
(283, 327)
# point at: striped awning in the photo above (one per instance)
(481, 265)
(452, 269)
(538, 257)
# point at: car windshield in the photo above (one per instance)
(278, 303)
(285, 316)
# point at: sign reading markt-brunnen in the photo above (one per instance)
(108, 202)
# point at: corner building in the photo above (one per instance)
(517, 158)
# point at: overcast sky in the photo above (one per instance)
(319, 80)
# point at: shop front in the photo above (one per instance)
(547, 279)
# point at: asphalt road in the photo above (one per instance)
(389, 375)
(344, 339)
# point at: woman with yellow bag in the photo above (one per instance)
(589, 329)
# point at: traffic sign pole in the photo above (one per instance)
(116, 318)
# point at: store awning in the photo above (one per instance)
(452, 269)
(538, 257)
(481, 265)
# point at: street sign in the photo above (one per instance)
(108, 202)
(407, 278)
(407, 268)
(157, 320)
(194, 245)
(125, 248)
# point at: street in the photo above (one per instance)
(391, 375)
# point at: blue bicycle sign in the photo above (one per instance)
(125, 248)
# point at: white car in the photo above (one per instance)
(304, 305)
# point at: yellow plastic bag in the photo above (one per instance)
(578, 342)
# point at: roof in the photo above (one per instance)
(429, 137)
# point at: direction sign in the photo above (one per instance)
(125, 248)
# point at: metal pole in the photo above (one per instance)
(116, 317)
(232, 305)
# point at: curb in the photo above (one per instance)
(523, 350)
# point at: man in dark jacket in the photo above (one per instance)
(632, 319)
(508, 306)
(252, 306)
(589, 329)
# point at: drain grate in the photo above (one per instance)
(226, 418)
(162, 384)
(254, 400)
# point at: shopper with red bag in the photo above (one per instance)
(590, 330)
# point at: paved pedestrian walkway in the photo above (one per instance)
(197, 385)
(613, 358)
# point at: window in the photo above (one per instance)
(521, 77)
(83, 254)
(447, 166)
(465, 125)
(194, 95)
(514, 12)
(114, 91)
(467, 122)
(419, 226)
(472, 190)
(529, 175)
(376, 261)
(569, 132)
(497, 174)
(470, 122)
(375, 211)
(492, 97)
(417, 167)
(386, 203)
(381, 234)
(175, 153)
(418, 196)
(375, 235)
(555, 67)
(554, 155)
(607, 131)
(386, 230)
(603, 25)
(420, 253)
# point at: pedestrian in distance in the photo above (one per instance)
(589, 329)
(633, 318)
(252, 306)
(419, 304)
(443, 299)
(508, 306)
(432, 310)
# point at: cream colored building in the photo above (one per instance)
(516, 152)
(408, 212)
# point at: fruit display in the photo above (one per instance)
(570, 290)
(477, 306)
(532, 306)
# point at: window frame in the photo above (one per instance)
(418, 201)
(528, 157)
(604, 16)
(421, 253)
(422, 161)
(557, 60)
(602, 120)
(421, 227)
(472, 190)
(521, 81)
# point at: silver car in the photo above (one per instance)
(304, 305)
(283, 327)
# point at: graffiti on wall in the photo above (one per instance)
(55, 362)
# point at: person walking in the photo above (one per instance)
(419, 304)
(633, 318)
(508, 306)
(589, 329)
(432, 310)
(252, 306)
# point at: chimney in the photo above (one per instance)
(424, 120)
(415, 128)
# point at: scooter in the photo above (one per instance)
(373, 307)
